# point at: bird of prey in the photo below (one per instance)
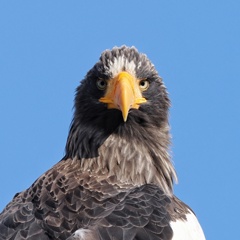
(115, 181)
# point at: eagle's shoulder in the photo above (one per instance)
(67, 202)
(184, 222)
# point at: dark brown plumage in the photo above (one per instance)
(115, 180)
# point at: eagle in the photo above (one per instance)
(115, 181)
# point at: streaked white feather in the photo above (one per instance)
(119, 64)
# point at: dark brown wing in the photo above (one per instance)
(17, 221)
(65, 200)
(141, 214)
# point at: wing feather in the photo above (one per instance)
(64, 201)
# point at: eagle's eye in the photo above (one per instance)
(101, 84)
(144, 85)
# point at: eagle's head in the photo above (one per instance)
(121, 96)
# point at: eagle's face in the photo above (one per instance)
(123, 87)
(121, 116)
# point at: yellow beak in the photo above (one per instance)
(123, 93)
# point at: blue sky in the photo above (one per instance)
(46, 48)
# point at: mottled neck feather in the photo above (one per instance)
(132, 156)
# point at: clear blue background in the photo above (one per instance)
(46, 48)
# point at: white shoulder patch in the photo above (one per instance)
(189, 229)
